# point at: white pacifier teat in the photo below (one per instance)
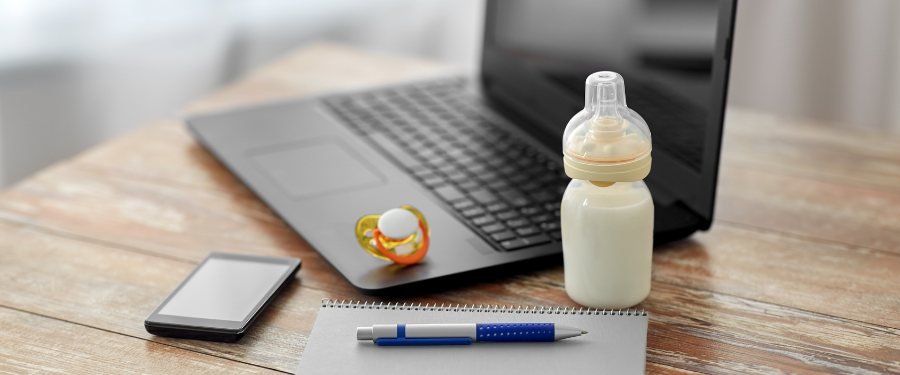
(400, 235)
(398, 223)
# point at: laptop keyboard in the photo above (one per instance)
(499, 185)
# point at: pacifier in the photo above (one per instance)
(399, 235)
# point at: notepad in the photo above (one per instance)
(616, 342)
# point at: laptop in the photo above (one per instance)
(480, 157)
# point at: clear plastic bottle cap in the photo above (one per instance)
(607, 141)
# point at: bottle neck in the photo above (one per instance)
(602, 183)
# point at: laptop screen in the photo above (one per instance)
(671, 54)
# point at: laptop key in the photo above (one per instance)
(550, 226)
(508, 170)
(468, 185)
(458, 177)
(530, 210)
(491, 228)
(497, 206)
(514, 197)
(507, 215)
(519, 243)
(463, 204)
(482, 220)
(472, 212)
(449, 193)
(542, 218)
(518, 222)
(503, 236)
(499, 184)
(557, 235)
(482, 196)
(528, 231)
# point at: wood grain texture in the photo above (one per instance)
(115, 289)
(798, 276)
(811, 208)
(34, 344)
(812, 149)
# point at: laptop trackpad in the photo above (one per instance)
(316, 167)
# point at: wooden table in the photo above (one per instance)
(799, 273)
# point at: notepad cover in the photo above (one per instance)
(615, 344)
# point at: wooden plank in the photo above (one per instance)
(161, 218)
(115, 290)
(827, 278)
(726, 334)
(34, 344)
(811, 149)
(811, 208)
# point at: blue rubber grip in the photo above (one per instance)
(424, 342)
(516, 332)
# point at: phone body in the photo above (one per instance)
(222, 297)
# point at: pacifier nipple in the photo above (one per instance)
(398, 224)
(606, 141)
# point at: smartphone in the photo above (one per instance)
(222, 297)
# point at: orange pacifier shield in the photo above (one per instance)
(399, 235)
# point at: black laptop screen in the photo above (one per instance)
(538, 54)
(663, 48)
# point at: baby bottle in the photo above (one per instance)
(607, 211)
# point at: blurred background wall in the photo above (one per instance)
(75, 73)
(833, 60)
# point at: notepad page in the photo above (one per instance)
(614, 345)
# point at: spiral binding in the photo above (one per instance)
(344, 304)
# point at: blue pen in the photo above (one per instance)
(463, 334)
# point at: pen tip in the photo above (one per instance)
(583, 332)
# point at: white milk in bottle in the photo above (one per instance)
(607, 210)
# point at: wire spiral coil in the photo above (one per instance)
(344, 304)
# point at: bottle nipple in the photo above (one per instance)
(606, 125)
(607, 134)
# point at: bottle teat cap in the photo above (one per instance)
(606, 141)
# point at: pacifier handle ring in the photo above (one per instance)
(408, 259)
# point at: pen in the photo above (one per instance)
(463, 334)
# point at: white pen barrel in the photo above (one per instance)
(440, 330)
